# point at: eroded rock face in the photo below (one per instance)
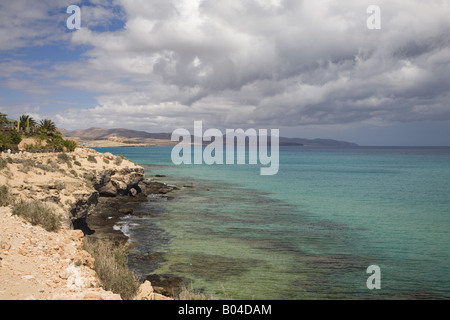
(71, 183)
(84, 203)
(113, 183)
(40, 265)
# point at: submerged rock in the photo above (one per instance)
(166, 285)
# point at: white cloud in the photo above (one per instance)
(280, 63)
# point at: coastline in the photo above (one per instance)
(71, 185)
(122, 143)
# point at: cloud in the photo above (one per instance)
(279, 63)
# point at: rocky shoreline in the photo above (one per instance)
(75, 186)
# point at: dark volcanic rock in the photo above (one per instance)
(114, 183)
(152, 187)
(83, 205)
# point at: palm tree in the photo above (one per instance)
(27, 123)
(3, 118)
(47, 126)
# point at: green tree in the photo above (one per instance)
(27, 123)
(10, 141)
(47, 127)
(3, 119)
(56, 141)
(70, 145)
(3, 142)
(14, 138)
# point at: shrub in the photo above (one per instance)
(53, 165)
(63, 157)
(5, 197)
(37, 213)
(111, 267)
(14, 137)
(77, 163)
(56, 142)
(92, 159)
(59, 185)
(10, 141)
(26, 165)
(119, 160)
(3, 163)
(70, 145)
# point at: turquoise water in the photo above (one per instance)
(309, 232)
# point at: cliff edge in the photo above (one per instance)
(36, 263)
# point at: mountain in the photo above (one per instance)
(104, 134)
(133, 137)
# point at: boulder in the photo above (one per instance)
(107, 190)
(146, 292)
(133, 192)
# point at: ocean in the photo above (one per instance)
(309, 232)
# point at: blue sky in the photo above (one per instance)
(309, 68)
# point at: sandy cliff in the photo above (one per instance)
(37, 264)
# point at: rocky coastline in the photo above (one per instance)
(75, 186)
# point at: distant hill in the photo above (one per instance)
(316, 142)
(104, 134)
(142, 137)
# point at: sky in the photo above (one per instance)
(311, 68)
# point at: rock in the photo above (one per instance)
(23, 251)
(152, 187)
(166, 285)
(145, 291)
(86, 259)
(126, 211)
(133, 192)
(5, 246)
(113, 183)
(108, 190)
(93, 296)
(76, 234)
(159, 297)
(83, 204)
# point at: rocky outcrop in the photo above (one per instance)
(82, 205)
(153, 187)
(71, 183)
(36, 264)
(113, 183)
